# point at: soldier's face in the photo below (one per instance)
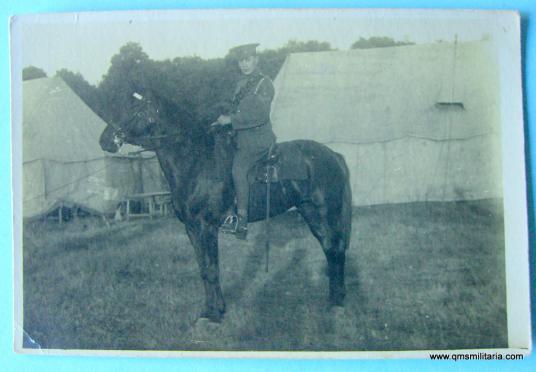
(247, 65)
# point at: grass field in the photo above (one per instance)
(419, 276)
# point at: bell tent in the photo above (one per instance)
(414, 123)
(63, 164)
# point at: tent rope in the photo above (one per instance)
(68, 184)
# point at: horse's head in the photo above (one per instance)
(146, 124)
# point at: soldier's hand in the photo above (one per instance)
(224, 119)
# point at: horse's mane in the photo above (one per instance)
(201, 134)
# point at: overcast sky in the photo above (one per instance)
(85, 42)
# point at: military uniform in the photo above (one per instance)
(254, 136)
(250, 117)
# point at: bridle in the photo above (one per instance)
(120, 136)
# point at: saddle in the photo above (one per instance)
(283, 161)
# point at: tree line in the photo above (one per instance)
(197, 85)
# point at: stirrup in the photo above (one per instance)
(229, 224)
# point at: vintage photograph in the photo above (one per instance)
(269, 180)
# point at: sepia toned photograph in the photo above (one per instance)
(220, 181)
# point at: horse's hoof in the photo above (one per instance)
(204, 331)
(211, 319)
(211, 316)
(336, 305)
(205, 323)
(336, 301)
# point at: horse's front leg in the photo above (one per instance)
(204, 238)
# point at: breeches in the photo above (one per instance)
(244, 160)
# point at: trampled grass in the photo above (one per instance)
(419, 276)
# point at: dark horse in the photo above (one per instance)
(197, 161)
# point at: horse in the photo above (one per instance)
(196, 161)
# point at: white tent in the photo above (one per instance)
(63, 164)
(415, 123)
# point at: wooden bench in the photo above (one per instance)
(158, 204)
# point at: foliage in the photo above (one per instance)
(129, 72)
(32, 72)
(378, 42)
(198, 86)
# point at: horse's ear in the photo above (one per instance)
(106, 140)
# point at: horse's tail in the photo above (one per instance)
(346, 207)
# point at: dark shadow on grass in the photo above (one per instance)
(285, 229)
(278, 320)
(253, 265)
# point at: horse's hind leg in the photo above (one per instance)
(333, 243)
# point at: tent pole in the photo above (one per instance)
(151, 207)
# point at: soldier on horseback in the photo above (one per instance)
(249, 115)
(307, 175)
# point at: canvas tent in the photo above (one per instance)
(63, 164)
(414, 123)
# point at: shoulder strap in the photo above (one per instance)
(264, 77)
